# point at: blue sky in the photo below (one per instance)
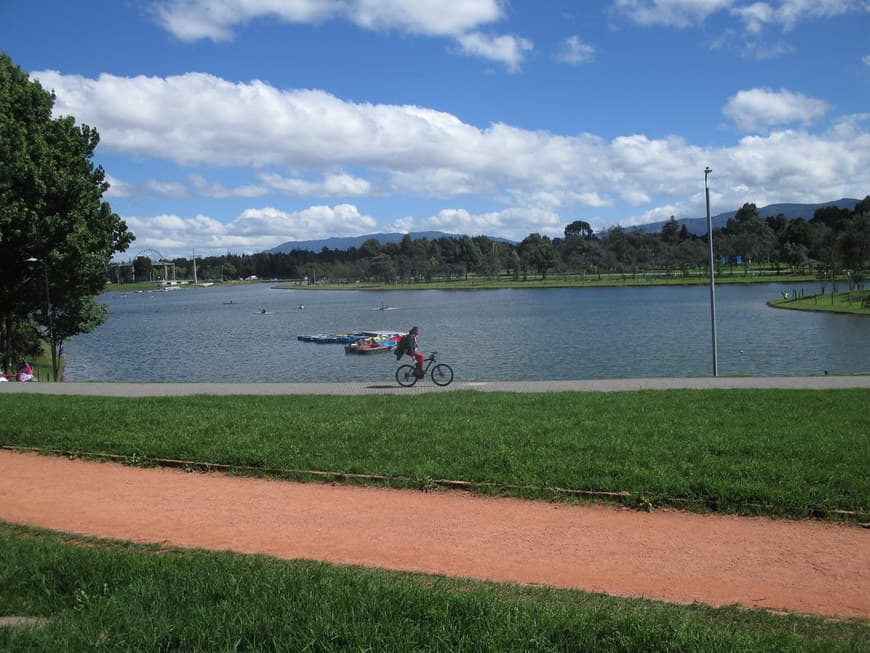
(236, 125)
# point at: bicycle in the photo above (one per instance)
(441, 373)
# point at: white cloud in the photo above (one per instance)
(253, 230)
(754, 15)
(214, 19)
(788, 13)
(432, 17)
(332, 185)
(866, 60)
(672, 13)
(573, 51)
(117, 188)
(191, 20)
(198, 186)
(759, 108)
(205, 188)
(305, 140)
(507, 49)
(513, 223)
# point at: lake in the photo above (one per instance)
(221, 334)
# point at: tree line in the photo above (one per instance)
(830, 242)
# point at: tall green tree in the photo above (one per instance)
(537, 251)
(57, 235)
(754, 240)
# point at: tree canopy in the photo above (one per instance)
(57, 235)
(776, 243)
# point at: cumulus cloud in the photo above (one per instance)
(573, 51)
(759, 108)
(866, 60)
(305, 142)
(514, 223)
(254, 230)
(788, 13)
(197, 186)
(332, 185)
(754, 15)
(461, 20)
(672, 13)
(507, 49)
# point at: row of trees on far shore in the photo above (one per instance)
(831, 241)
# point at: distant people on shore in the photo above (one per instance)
(25, 371)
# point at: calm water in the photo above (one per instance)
(510, 335)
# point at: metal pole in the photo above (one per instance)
(707, 171)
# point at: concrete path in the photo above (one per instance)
(390, 387)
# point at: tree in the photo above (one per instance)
(753, 238)
(579, 229)
(537, 251)
(52, 216)
(671, 231)
(855, 240)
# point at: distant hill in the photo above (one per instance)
(345, 243)
(698, 226)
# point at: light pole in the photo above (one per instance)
(707, 171)
(33, 259)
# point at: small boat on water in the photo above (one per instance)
(389, 338)
(367, 346)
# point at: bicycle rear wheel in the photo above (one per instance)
(442, 374)
(405, 375)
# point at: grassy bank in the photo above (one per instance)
(557, 280)
(99, 595)
(855, 303)
(562, 281)
(777, 452)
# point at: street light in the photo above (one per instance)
(707, 171)
(33, 259)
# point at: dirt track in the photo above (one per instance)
(807, 567)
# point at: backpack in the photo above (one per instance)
(402, 347)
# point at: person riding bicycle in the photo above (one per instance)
(411, 350)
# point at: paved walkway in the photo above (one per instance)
(387, 387)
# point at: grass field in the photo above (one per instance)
(777, 452)
(854, 302)
(553, 280)
(98, 595)
(774, 452)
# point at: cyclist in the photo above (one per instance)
(412, 350)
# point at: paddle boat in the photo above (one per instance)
(368, 346)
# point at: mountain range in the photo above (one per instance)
(346, 242)
(696, 226)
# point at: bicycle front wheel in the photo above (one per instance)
(405, 375)
(442, 374)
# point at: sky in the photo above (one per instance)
(238, 125)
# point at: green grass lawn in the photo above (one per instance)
(99, 595)
(556, 280)
(778, 452)
(856, 302)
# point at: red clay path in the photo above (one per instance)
(797, 566)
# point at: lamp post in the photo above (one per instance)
(33, 259)
(707, 171)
